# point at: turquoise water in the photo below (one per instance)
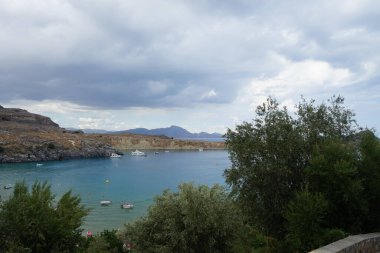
(130, 178)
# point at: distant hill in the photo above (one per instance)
(173, 131)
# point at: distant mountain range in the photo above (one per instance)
(172, 131)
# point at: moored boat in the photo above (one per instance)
(8, 186)
(137, 153)
(114, 155)
(105, 202)
(127, 206)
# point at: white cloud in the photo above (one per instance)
(209, 94)
(48, 106)
(298, 78)
(91, 123)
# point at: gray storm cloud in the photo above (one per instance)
(120, 54)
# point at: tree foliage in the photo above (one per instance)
(31, 222)
(195, 219)
(320, 148)
(106, 241)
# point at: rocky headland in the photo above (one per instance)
(28, 137)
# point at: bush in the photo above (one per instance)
(106, 241)
(1, 149)
(30, 220)
(51, 146)
(305, 216)
(196, 219)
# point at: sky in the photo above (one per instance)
(203, 65)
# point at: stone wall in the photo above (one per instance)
(366, 243)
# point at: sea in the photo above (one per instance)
(132, 179)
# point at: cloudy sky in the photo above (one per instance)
(201, 64)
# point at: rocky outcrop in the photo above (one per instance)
(13, 117)
(28, 137)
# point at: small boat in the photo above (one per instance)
(8, 186)
(138, 153)
(200, 149)
(105, 202)
(114, 155)
(127, 206)
(39, 164)
(167, 151)
(156, 153)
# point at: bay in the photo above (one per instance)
(129, 178)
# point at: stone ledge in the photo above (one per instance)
(368, 243)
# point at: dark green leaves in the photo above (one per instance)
(30, 221)
(317, 148)
(196, 219)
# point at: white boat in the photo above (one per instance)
(114, 155)
(127, 206)
(200, 149)
(105, 202)
(39, 164)
(138, 153)
(8, 186)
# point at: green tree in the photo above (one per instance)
(319, 148)
(369, 170)
(333, 171)
(29, 220)
(106, 241)
(306, 221)
(267, 166)
(195, 219)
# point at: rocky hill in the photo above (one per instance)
(28, 137)
(134, 141)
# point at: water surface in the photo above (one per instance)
(130, 178)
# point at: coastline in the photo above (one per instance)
(62, 145)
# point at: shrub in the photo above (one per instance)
(196, 219)
(31, 220)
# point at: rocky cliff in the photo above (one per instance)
(28, 137)
(132, 141)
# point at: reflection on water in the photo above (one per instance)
(130, 178)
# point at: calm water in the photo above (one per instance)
(130, 178)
